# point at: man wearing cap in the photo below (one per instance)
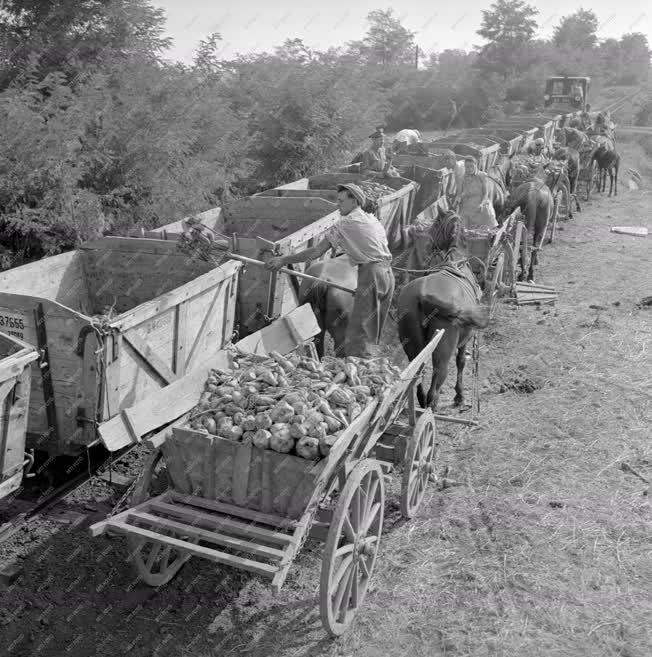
(374, 159)
(536, 147)
(363, 239)
(473, 196)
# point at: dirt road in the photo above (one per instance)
(542, 547)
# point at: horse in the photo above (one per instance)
(499, 176)
(537, 204)
(608, 161)
(331, 306)
(572, 158)
(571, 137)
(448, 299)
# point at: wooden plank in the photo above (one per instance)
(284, 335)
(46, 374)
(195, 550)
(207, 535)
(241, 465)
(91, 385)
(162, 407)
(209, 314)
(209, 469)
(176, 465)
(266, 493)
(149, 356)
(234, 526)
(180, 339)
(232, 510)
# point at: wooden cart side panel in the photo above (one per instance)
(165, 346)
(123, 275)
(212, 219)
(273, 218)
(327, 194)
(59, 278)
(63, 327)
(244, 475)
(14, 407)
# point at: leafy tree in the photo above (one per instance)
(74, 36)
(386, 42)
(635, 52)
(507, 26)
(577, 31)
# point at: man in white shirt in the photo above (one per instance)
(362, 237)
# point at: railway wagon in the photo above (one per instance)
(486, 155)
(263, 226)
(509, 140)
(113, 321)
(212, 219)
(15, 378)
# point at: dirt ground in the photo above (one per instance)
(541, 546)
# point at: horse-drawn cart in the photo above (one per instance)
(494, 256)
(235, 504)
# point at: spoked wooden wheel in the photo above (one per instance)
(419, 456)
(155, 562)
(351, 546)
(495, 285)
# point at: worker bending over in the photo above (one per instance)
(363, 239)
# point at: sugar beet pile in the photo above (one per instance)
(294, 404)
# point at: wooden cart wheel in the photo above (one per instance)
(523, 247)
(419, 456)
(351, 546)
(155, 562)
(495, 283)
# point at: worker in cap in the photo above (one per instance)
(374, 159)
(473, 197)
(536, 147)
(363, 239)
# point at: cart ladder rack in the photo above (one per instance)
(260, 543)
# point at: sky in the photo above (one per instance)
(256, 25)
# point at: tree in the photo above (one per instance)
(577, 31)
(386, 42)
(73, 36)
(635, 52)
(508, 26)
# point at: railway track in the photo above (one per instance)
(58, 494)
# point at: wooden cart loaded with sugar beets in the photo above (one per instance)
(253, 509)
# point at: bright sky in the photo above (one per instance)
(256, 25)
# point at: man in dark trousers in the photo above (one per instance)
(363, 239)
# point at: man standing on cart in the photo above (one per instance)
(363, 239)
(473, 200)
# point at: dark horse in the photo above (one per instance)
(448, 298)
(331, 306)
(608, 162)
(535, 200)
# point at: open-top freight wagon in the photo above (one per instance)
(16, 358)
(113, 322)
(252, 508)
(284, 220)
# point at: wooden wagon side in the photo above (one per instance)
(113, 321)
(486, 155)
(15, 378)
(212, 219)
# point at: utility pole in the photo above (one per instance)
(416, 57)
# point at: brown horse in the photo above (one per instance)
(537, 204)
(608, 162)
(331, 306)
(571, 137)
(500, 175)
(448, 299)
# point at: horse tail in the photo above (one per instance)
(477, 317)
(412, 326)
